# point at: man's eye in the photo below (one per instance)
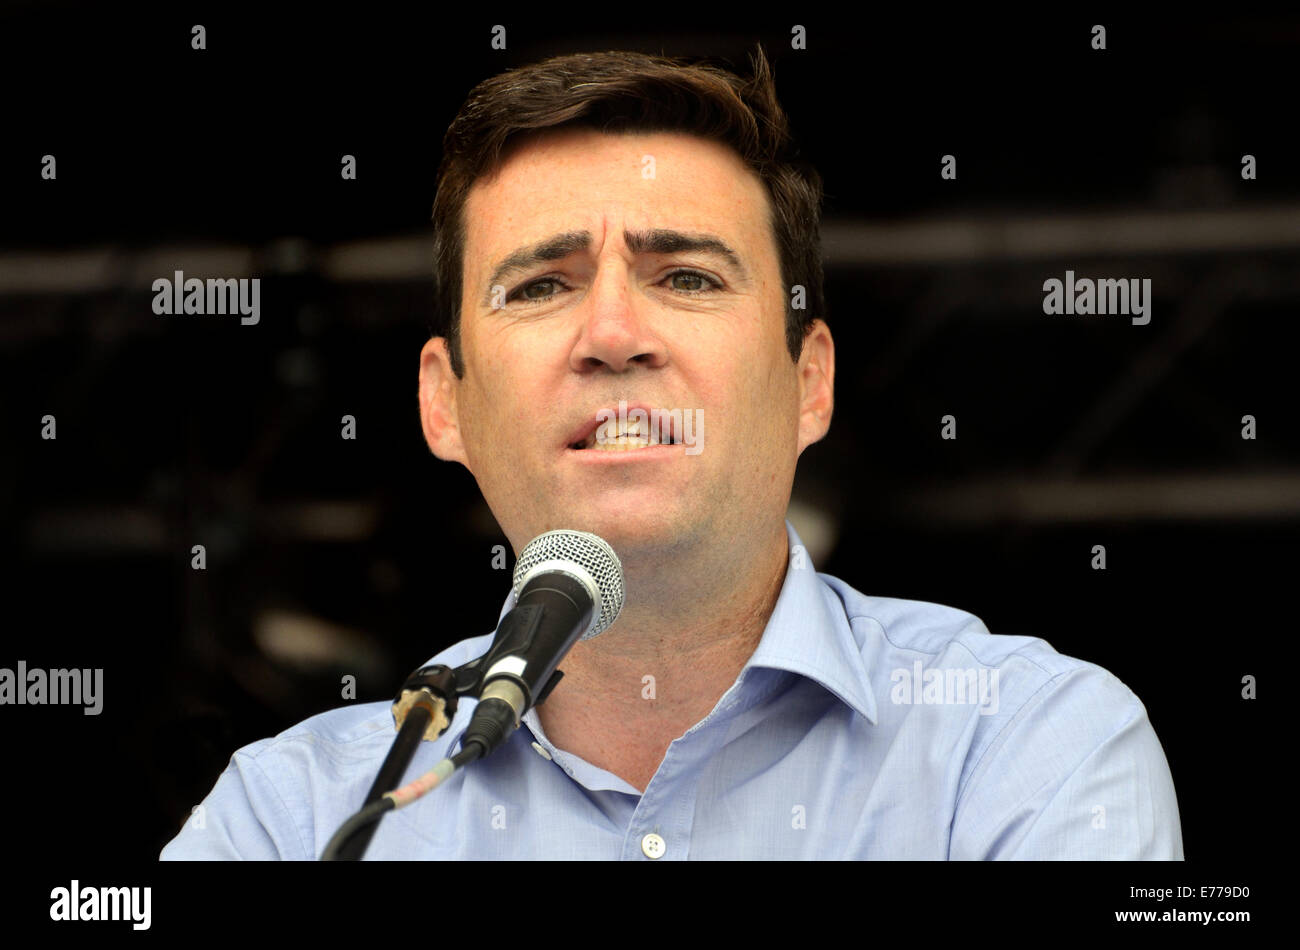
(526, 291)
(701, 281)
(698, 283)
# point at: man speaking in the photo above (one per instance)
(619, 232)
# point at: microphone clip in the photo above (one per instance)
(433, 687)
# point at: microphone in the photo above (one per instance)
(568, 587)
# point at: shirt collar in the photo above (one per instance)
(808, 634)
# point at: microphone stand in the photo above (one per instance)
(424, 709)
(426, 705)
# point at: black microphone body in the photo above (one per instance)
(569, 586)
(551, 614)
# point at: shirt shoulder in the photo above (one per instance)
(929, 628)
(333, 738)
(347, 725)
(1046, 745)
(894, 633)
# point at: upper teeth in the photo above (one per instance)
(627, 430)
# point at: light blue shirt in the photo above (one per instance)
(860, 728)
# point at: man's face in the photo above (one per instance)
(609, 320)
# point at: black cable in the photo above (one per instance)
(371, 813)
(468, 753)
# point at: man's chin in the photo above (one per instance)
(639, 533)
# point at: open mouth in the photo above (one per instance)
(625, 441)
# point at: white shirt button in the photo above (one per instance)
(652, 846)
(540, 751)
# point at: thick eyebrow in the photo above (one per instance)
(659, 241)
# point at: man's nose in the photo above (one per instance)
(618, 323)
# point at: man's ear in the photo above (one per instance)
(438, 415)
(816, 384)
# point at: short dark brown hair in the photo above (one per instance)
(632, 92)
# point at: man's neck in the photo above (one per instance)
(663, 666)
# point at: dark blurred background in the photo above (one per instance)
(328, 557)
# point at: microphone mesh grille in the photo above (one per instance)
(587, 551)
